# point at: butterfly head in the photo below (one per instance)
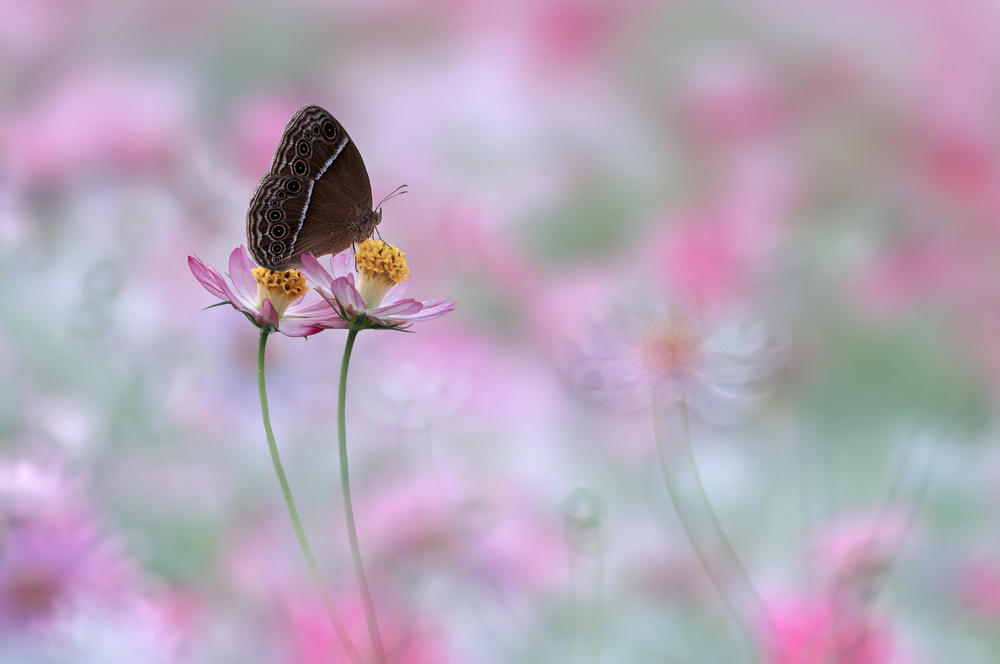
(374, 218)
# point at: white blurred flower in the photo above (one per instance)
(635, 362)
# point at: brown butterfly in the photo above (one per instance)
(316, 197)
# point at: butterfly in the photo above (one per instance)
(316, 198)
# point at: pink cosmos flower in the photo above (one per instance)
(100, 119)
(853, 550)
(728, 100)
(808, 630)
(491, 533)
(266, 298)
(633, 362)
(915, 273)
(371, 284)
(409, 639)
(52, 551)
(979, 588)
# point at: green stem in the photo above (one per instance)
(699, 546)
(338, 626)
(345, 483)
(751, 592)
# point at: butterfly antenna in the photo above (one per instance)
(398, 191)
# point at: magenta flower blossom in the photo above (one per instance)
(372, 284)
(52, 551)
(853, 551)
(809, 629)
(978, 587)
(266, 298)
(409, 639)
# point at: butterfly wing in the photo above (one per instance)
(316, 197)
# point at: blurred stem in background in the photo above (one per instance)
(673, 444)
(583, 513)
(338, 626)
(345, 483)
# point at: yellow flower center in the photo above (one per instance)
(380, 267)
(673, 347)
(282, 288)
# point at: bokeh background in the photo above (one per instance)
(818, 184)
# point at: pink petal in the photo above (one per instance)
(315, 272)
(342, 264)
(315, 314)
(399, 308)
(438, 301)
(312, 308)
(396, 293)
(343, 291)
(429, 313)
(334, 322)
(214, 282)
(292, 328)
(268, 314)
(240, 267)
(209, 277)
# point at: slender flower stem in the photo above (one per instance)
(345, 483)
(699, 546)
(331, 611)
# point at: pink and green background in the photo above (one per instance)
(823, 175)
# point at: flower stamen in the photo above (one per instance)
(673, 347)
(281, 287)
(380, 267)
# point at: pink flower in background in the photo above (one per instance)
(810, 630)
(633, 361)
(408, 639)
(959, 166)
(257, 127)
(718, 255)
(909, 275)
(372, 282)
(664, 569)
(51, 550)
(490, 532)
(855, 549)
(768, 154)
(564, 33)
(448, 377)
(267, 298)
(702, 262)
(29, 29)
(416, 520)
(115, 120)
(979, 588)
(727, 101)
(477, 247)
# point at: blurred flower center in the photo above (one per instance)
(31, 590)
(282, 288)
(380, 267)
(673, 347)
